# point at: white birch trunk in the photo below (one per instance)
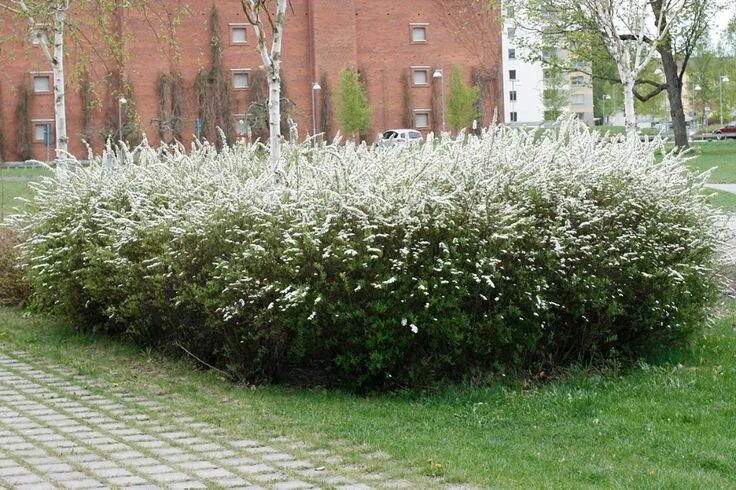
(629, 109)
(57, 62)
(57, 13)
(272, 62)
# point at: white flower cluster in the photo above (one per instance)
(565, 206)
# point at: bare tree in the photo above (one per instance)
(259, 16)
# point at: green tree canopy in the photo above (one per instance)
(353, 111)
(461, 102)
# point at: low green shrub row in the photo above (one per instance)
(382, 267)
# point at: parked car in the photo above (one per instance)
(727, 131)
(400, 137)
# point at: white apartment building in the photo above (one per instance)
(523, 82)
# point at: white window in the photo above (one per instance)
(514, 117)
(43, 130)
(241, 124)
(420, 76)
(512, 53)
(421, 118)
(577, 81)
(241, 79)
(238, 34)
(512, 96)
(419, 33)
(41, 84)
(39, 35)
(578, 99)
(511, 33)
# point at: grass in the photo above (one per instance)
(722, 199)
(667, 424)
(718, 154)
(622, 130)
(664, 424)
(14, 184)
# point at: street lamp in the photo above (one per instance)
(696, 88)
(721, 79)
(605, 116)
(315, 87)
(121, 102)
(438, 73)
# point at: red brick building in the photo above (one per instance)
(396, 46)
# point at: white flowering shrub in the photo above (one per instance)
(382, 266)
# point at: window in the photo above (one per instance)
(421, 118)
(512, 74)
(512, 96)
(241, 124)
(39, 35)
(577, 81)
(511, 33)
(580, 115)
(43, 129)
(241, 79)
(238, 34)
(512, 53)
(514, 117)
(578, 99)
(419, 33)
(578, 65)
(41, 83)
(420, 76)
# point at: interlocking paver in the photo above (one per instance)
(61, 430)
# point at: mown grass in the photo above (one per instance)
(717, 155)
(668, 424)
(14, 184)
(722, 199)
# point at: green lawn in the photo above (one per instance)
(13, 184)
(662, 425)
(668, 424)
(720, 155)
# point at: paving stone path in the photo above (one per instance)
(57, 433)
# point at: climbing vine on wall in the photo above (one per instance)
(170, 88)
(486, 81)
(326, 108)
(87, 102)
(2, 131)
(258, 107)
(213, 90)
(408, 117)
(23, 124)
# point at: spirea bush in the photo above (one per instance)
(382, 267)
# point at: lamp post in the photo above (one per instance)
(438, 73)
(121, 102)
(721, 79)
(315, 87)
(698, 88)
(605, 116)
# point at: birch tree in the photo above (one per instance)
(632, 32)
(47, 23)
(259, 16)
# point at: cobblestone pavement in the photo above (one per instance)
(57, 433)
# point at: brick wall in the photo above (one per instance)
(371, 35)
